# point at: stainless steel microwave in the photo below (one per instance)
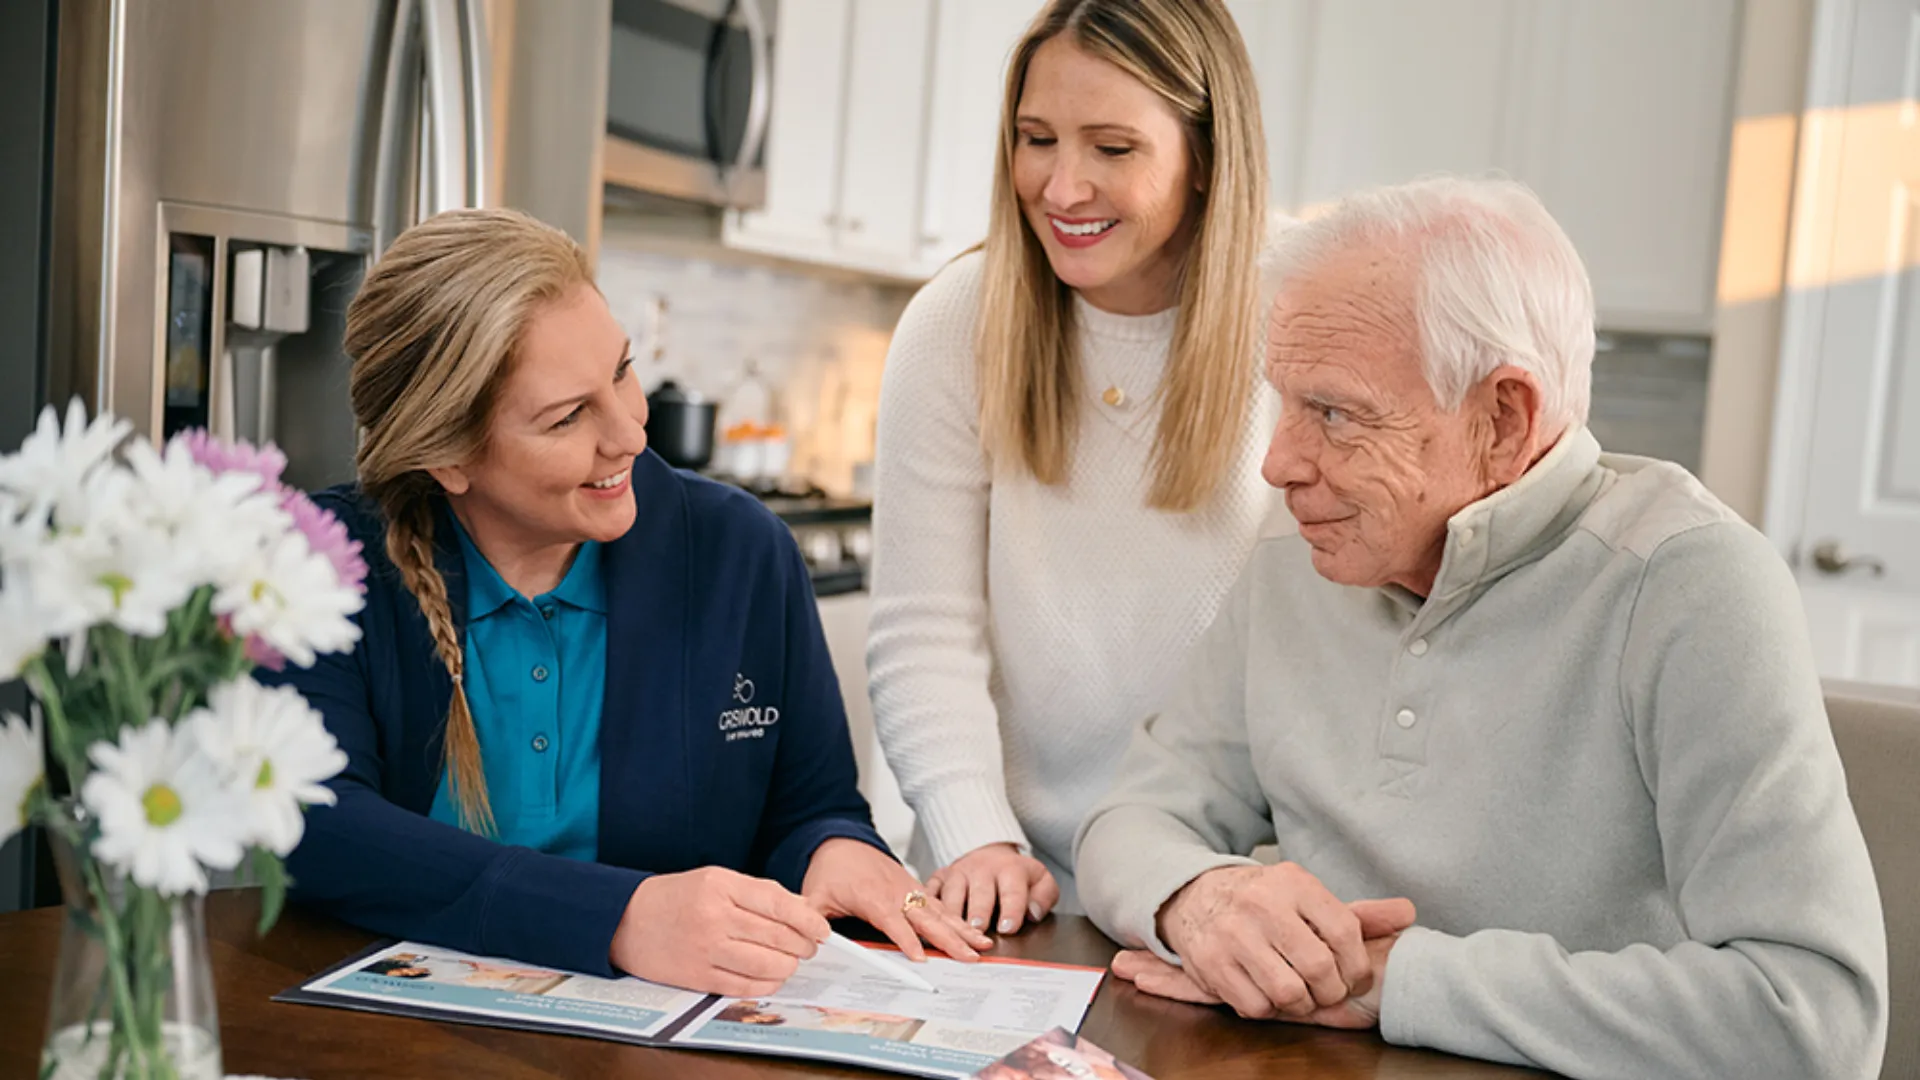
(689, 94)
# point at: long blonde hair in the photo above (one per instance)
(431, 335)
(1190, 53)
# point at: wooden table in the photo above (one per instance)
(1169, 1040)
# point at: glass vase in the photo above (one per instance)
(133, 985)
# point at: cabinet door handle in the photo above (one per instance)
(855, 225)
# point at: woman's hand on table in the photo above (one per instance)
(852, 878)
(717, 932)
(996, 874)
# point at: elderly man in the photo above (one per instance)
(1560, 701)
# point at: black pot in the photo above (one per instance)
(680, 426)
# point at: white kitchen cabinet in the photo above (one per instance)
(846, 149)
(803, 138)
(1629, 121)
(885, 151)
(1397, 89)
(973, 41)
(1618, 112)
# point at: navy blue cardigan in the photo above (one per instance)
(723, 740)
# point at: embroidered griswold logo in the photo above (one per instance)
(748, 721)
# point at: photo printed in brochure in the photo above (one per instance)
(838, 1010)
(432, 978)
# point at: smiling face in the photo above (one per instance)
(1104, 175)
(1372, 466)
(569, 420)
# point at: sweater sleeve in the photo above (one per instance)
(927, 654)
(1186, 799)
(1785, 969)
(380, 866)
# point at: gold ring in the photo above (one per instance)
(915, 899)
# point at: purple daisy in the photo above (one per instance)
(266, 462)
(326, 535)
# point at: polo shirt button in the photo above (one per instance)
(539, 744)
(1466, 536)
(546, 611)
(1405, 718)
(539, 673)
(1419, 647)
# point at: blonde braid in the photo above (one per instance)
(410, 546)
(432, 333)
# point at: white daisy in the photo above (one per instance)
(52, 462)
(20, 771)
(292, 600)
(213, 524)
(123, 574)
(274, 748)
(165, 815)
(22, 629)
(22, 531)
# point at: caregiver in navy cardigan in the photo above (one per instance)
(723, 756)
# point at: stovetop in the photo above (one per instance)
(835, 534)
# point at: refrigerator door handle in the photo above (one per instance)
(478, 84)
(449, 154)
(397, 154)
(760, 95)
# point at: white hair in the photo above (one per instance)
(1499, 283)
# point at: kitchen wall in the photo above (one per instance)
(818, 338)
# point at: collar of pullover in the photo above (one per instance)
(1511, 527)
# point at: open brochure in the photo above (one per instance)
(832, 1009)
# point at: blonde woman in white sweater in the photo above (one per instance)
(1069, 443)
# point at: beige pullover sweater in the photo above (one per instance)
(1596, 759)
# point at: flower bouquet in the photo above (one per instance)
(139, 587)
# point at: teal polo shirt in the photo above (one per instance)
(536, 683)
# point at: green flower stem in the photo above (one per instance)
(138, 703)
(72, 757)
(154, 969)
(167, 673)
(124, 1011)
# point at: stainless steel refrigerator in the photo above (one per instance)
(192, 190)
(224, 169)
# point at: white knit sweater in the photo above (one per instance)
(1020, 631)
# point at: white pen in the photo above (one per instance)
(886, 965)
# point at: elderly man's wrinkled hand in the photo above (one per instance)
(1273, 941)
(1155, 976)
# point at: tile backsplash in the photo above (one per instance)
(816, 340)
